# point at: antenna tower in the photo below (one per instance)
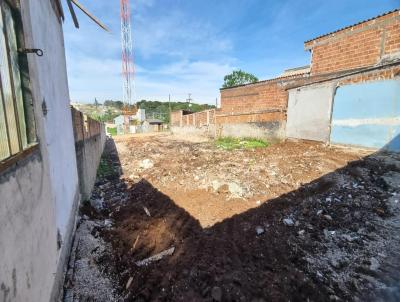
(127, 55)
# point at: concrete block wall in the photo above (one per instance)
(90, 138)
(361, 45)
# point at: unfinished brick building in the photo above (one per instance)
(352, 95)
(257, 109)
(300, 103)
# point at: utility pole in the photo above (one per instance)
(216, 103)
(169, 106)
(189, 99)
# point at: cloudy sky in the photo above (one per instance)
(187, 46)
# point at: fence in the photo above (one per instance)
(196, 119)
(89, 137)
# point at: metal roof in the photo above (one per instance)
(349, 26)
(154, 121)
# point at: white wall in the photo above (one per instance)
(38, 195)
(309, 112)
(52, 87)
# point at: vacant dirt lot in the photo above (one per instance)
(293, 221)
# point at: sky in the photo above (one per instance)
(188, 46)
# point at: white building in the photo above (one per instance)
(39, 185)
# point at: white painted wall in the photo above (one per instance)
(52, 86)
(37, 196)
(141, 115)
(309, 112)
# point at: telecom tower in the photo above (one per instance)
(127, 62)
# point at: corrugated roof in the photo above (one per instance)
(349, 26)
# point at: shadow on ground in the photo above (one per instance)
(336, 238)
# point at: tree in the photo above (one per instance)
(115, 104)
(238, 77)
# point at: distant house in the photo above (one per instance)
(132, 120)
(152, 125)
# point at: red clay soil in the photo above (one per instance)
(288, 260)
(227, 259)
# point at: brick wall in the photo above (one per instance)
(264, 101)
(176, 118)
(197, 119)
(255, 97)
(240, 118)
(374, 75)
(362, 45)
(84, 127)
(89, 144)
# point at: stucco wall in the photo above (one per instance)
(309, 112)
(271, 131)
(52, 87)
(39, 194)
(368, 115)
(90, 138)
(28, 245)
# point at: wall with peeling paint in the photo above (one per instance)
(367, 115)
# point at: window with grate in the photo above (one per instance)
(17, 131)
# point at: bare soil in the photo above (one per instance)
(295, 221)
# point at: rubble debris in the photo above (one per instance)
(392, 179)
(129, 283)
(259, 230)
(135, 243)
(288, 221)
(156, 257)
(235, 189)
(147, 211)
(146, 164)
(216, 293)
(97, 203)
(341, 241)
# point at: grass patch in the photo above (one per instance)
(231, 143)
(105, 169)
(112, 131)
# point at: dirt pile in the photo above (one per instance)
(329, 231)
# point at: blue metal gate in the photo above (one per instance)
(367, 115)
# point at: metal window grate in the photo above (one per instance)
(13, 126)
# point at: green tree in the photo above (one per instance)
(115, 104)
(238, 77)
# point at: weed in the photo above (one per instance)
(105, 169)
(231, 143)
(112, 131)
